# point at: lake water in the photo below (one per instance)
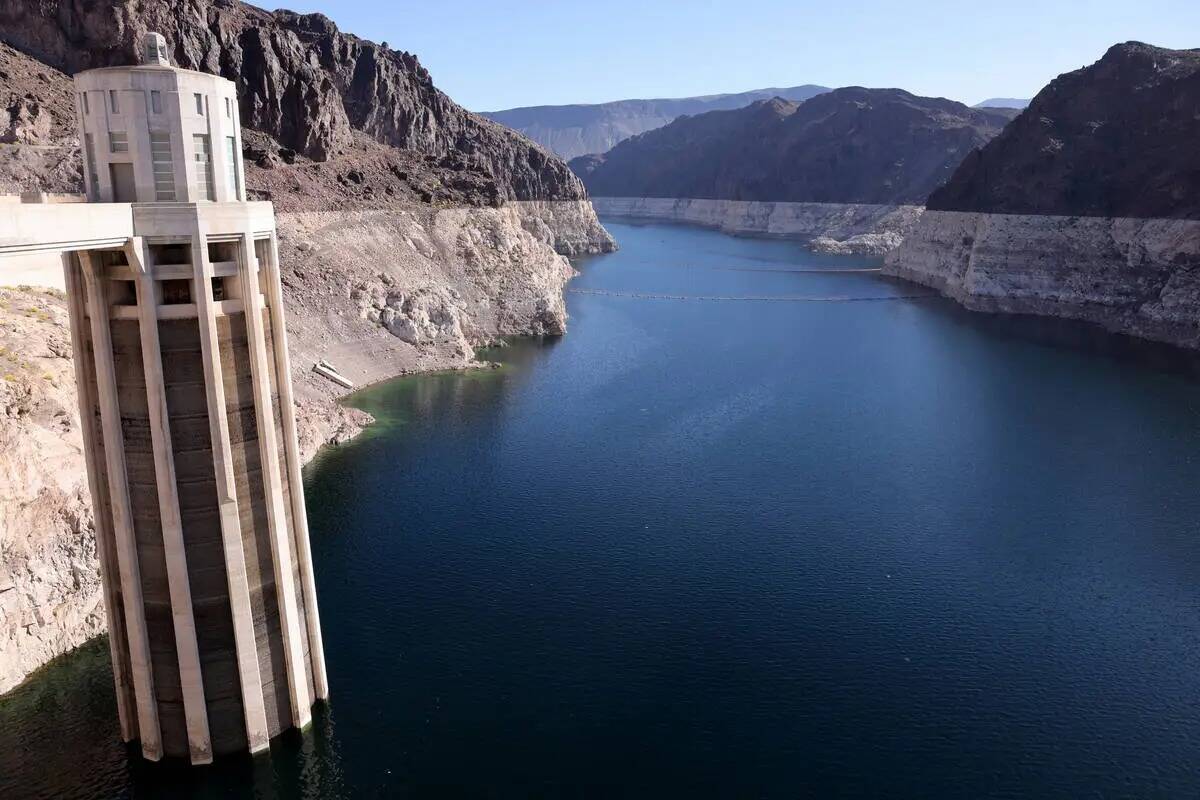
(824, 536)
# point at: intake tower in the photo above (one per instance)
(189, 432)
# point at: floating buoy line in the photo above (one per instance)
(782, 298)
(832, 271)
(802, 271)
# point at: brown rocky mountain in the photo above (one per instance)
(851, 145)
(1115, 139)
(38, 148)
(301, 81)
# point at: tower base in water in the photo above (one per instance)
(185, 395)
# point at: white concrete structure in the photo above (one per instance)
(186, 404)
(153, 133)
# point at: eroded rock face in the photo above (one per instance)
(28, 123)
(1133, 276)
(427, 316)
(37, 124)
(381, 292)
(50, 592)
(299, 79)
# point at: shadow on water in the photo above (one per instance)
(59, 738)
(475, 393)
(1067, 334)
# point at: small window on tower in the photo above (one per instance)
(122, 293)
(118, 142)
(199, 104)
(112, 101)
(228, 108)
(176, 292)
(86, 110)
(156, 102)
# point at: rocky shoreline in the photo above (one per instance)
(383, 293)
(1132, 276)
(842, 228)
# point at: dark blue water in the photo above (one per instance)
(828, 544)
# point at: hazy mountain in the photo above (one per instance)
(1003, 102)
(576, 130)
(850, 145)
(1117, 138)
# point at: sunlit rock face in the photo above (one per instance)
(1134, 276)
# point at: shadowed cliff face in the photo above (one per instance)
(850, 145)
(1116, 139)
(300, 80)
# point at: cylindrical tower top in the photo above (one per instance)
(156, 133)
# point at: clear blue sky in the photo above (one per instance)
(493, 54)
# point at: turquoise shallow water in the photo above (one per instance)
(747, 530)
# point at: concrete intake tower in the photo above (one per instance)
(186, 403)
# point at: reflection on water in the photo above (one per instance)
(734, 549)
(58, 739)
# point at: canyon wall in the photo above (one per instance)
(1086, 206)
(828, 227)
(299, 80)
(50, 595)
(1133, 276)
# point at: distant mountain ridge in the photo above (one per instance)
(850, 145)
(576, 130)
(1003, 102)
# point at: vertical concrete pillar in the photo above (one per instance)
(110, 577)
(287, 406)
(281, 554)
(182, 615)
(257, 733)
(126, 545)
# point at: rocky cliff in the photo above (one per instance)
(852, 145)
(1115, 139)
(1086, 207)
(50, 598)
(1133, 276)
(38, 147)
(299, 79)
(577, 130)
